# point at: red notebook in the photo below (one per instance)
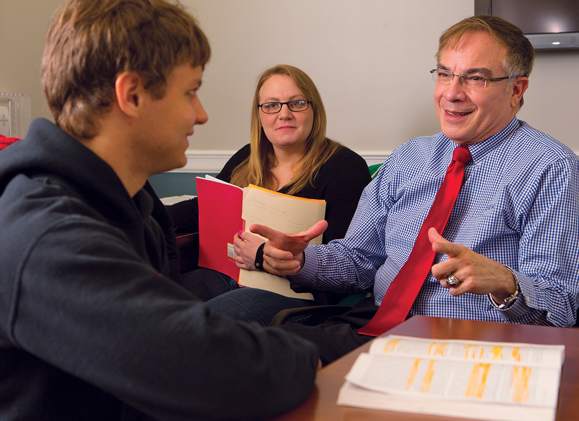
(225, 209)
(219, 219)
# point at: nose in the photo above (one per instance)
(201, 115)
(454, 91)
(285, 112)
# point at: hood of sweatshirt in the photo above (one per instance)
(47, 150)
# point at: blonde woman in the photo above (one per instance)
(290, 153)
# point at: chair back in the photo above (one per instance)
(373, 169)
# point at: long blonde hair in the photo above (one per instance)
(256, 169)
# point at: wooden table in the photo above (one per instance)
(322, 404)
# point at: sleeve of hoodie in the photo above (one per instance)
(87, 304)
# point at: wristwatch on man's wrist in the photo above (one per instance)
(508, 301)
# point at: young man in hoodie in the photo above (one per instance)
(93, 323)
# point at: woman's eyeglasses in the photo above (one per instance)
(274, 107)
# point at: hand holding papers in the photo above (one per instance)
(225, 209)
(483, 380)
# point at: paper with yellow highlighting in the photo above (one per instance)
(480, 380)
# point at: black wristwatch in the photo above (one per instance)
(259, 257)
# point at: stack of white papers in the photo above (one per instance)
(471, 379)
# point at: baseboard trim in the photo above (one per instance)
(211, 161)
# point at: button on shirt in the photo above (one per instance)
(519, 205)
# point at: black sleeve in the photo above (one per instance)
(343, 177)
(184, 216)
(90, 306)
(161, 217)
(237, 158)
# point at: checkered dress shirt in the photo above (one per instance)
(519, 205)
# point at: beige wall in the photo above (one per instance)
(369, 59)
(552, 101)
(23, 24)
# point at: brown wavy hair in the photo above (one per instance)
(90, 42)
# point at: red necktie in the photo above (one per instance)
(407, 284)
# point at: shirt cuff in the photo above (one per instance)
(528, 291)
(519, 306)
(307, 274)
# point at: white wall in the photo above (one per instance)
(370, 60)
(552, 101)
(23, 25)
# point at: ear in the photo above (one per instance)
(520, 86)
(129, 91)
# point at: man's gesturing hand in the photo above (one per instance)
(477, 274)
(283, 253)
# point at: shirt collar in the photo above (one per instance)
(481, 149)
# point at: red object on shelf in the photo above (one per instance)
(6, 141)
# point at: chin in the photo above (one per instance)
(289, 143)
(454, 133)
(182, 162)
(174, 164)
(460, 140)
